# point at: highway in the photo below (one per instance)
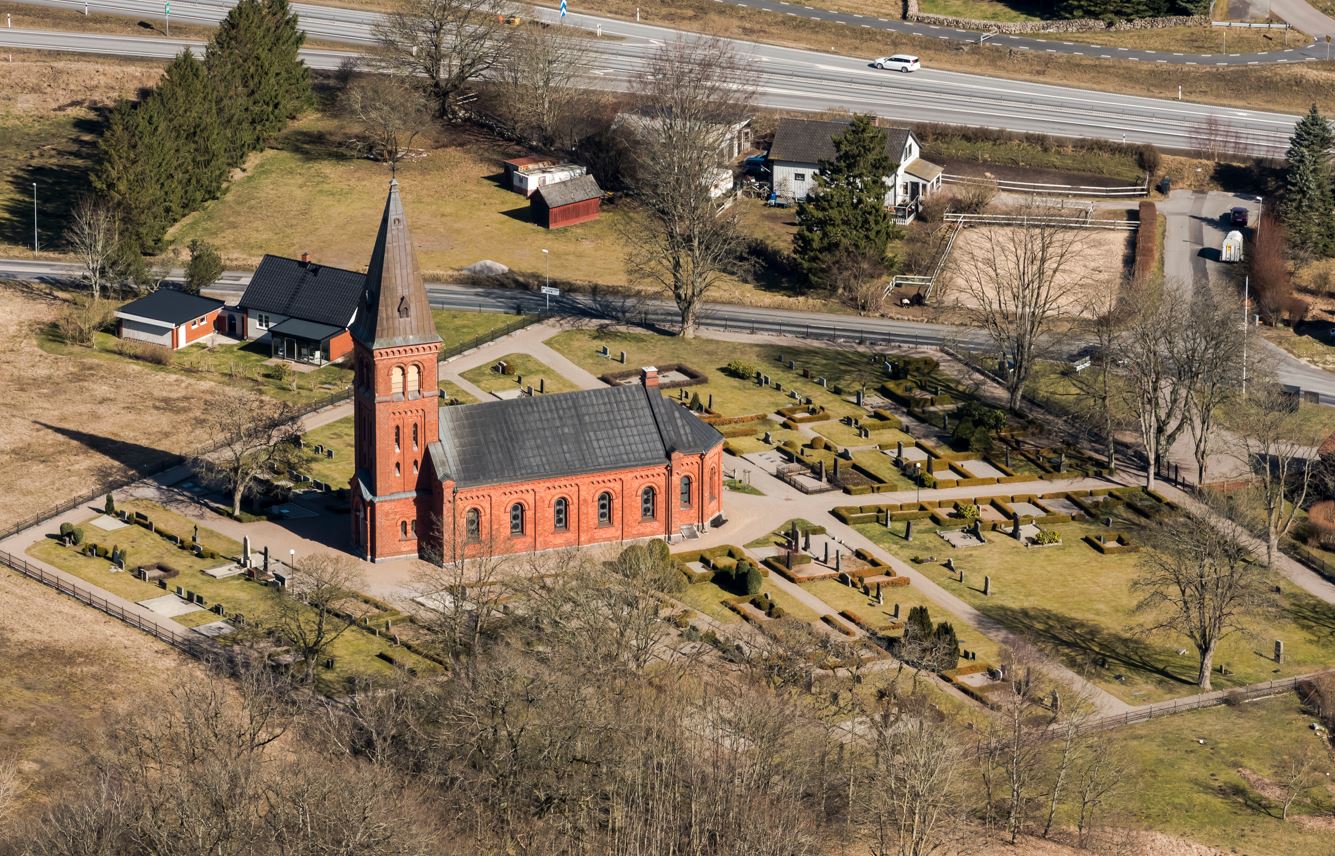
(635, 309)
(785, 78)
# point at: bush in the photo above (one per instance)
(660, 550)
(1147, 157)
(66, 529)
(1147, 244)
(818, 443)
(144, 352)
(79, 321)
(1048, 536)
(754, 580)
(109, 507)
(742, 369)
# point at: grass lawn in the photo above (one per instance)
(528, 372)
(457, 327)
(1079, 603)
(1203, 40)
(847, 435)
(1182, 787)
(455, 393)
(732, 396)
(884, 468)
(944, 146)
(756, 442)
(355, 651)
(1008, 11)
(337, 435)
(738, 486)
(708, 598)
(842, 597)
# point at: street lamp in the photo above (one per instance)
(34, 218)
(547, 277)
(917, 480)
(292, 558)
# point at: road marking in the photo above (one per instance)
(1177, 54)
(1124, 49)
(1049, 50)
(1253, 62)
(1105, 56)
(1161, 60)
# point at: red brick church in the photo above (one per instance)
(527, 474)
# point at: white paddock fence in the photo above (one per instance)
(1006, 186)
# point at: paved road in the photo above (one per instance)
(818, 326)
(785, 78)
(1302, 16)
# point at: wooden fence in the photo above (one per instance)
(1198, 702)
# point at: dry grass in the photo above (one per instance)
(70, 422)
(1102, 257)
(77, 667)
(43, 18)
(1203, 40)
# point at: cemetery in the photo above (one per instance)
(729, 585)
(1071, 590)
(516, 374)
(192, 575)
(335, 438)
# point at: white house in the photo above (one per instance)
(801, 144)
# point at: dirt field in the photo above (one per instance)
(1101, 258)
(70, 421)
(72, 669)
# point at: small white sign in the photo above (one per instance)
(550, 292)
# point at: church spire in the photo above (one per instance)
(394, 309)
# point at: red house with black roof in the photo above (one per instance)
(301, 308)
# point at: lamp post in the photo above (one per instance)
(34, 218)
(917, 481)
(547, 277)
(292, 559)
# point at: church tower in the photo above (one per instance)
(396, 396)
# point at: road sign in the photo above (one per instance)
(551, 292)
(166, 8)
(563, 8)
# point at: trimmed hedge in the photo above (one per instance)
(1147, 244)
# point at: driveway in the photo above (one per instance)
(1193, 233)
(1302, 16)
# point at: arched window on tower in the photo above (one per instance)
(414, 378)
(414, 436)
(604, 509)
(648, 504)
(396, 381)
(473, 525)
(561, 514)
(685, 491)
(397, 437)
(403, 528)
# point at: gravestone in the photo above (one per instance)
(519, 379)
(1279, 651)
(711, 401)
(602, 350)
(1055, 701)
(961, 577)
(821, 382)
(879, 599)
(778, 387)
(806, 373)
(806, 541)
(1061, 463)
(528, 390)
(623, 358)
(1015, 528)
(866, 432)
(542, 384)
(858, 397)
(895, 613)
(945, 422)
(194, 536)
(987, 586)
(1107, 521)
(1008, 459)
(768, 438)
(820, 471)
(329, 453)
(764, 380)
(836, 469)
(908, 530)
(792, 365)
(950, 564)
(838, 560)
(319, 448)
(899, 450)
(827, 553)
(266, 558)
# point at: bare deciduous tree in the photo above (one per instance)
(1198, 580)
(688, 96)
(542, 81)
(1018, 735)
(449, 42)
(1214, 340)
(391, 111)
(94, 235)
(255, 437)
(1100, 772)
(1298, 772)
(1281, 458)
(1020, 278)
(304, 613)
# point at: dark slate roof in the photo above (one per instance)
(309, 330)
(305, 290)
(569, 192)
(569, 433)
(394, 310)
(170, 306)
(812, 141)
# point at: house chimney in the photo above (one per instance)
(649, 377)
(305, 258)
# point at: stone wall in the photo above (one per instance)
(1081, 25)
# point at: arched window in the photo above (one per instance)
(685, 491)
(398, 470)
(713, 483)
(414, 378)
(604, 509)
(397, 437)
(561, 514)
(648, 505)
(473, 525)
(414, 436)
(415, 470)
(413, 527)
(396, 381)
(403, 528)
(517, 519)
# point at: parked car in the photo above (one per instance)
(755, 165)
(898, 62)
(1237, 216)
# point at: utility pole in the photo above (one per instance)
(547, 277)
(1246, 325)
(34, 218)
(167, 16)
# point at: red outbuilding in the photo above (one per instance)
(566, 203)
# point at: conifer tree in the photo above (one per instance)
(843, 227)
(130, 173)
(1308, 206)
(191, 106)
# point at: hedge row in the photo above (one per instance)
(1147, 244)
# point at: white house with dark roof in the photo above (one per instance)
(301, 308)
(800, 145)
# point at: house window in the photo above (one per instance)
(396, 381)
(799, 176)
(604, 509)
(473, 525)
(561, 514)
(648, 505)
(517, 519)
(403, 528)
(414, 378)
(262, 321)
(685, 491)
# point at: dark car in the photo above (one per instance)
(1237, 216)
(755, 165)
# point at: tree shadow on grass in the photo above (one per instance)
(1244, 796)
(1313, 616)
(1084, 642)
(60, 171)
(123, 456)
(316, 145)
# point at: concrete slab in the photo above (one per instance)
(215, 629)
(508, 394)
(1027, 509)
(110, 524)
(170, 606)
(225, 571)
(1061, 505)
(945, 476)
(980, 469)
(961, 539)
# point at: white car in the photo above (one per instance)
(898, 62)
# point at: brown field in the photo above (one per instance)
(70, 422)
(1101, 265)
(70, 670)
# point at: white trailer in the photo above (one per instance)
(1231, 251)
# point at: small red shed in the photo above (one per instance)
(566, 203)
